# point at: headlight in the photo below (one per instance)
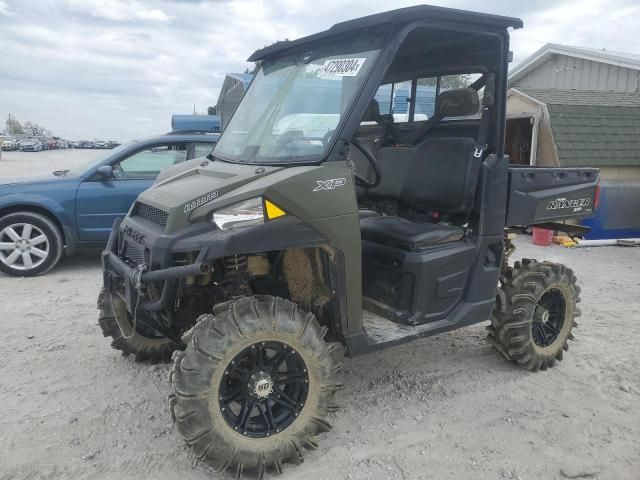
(241, 214)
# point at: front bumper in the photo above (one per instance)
(128, 277)
(154, 264)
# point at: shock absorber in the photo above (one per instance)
(236, 282)
(236, 264)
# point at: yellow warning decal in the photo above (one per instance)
(273, 211)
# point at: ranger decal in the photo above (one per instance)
(562, 203)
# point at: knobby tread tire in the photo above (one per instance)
(148, 350)
(520, 290)
(211, 345)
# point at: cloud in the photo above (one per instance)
(95, 68)
(584, 23)
(119, 10)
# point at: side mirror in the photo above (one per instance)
(105, 172)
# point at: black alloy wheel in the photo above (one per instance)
(548, 318)
(263, 389)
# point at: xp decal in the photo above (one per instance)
(330, 184)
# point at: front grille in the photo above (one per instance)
(152, 214)
(133, 253)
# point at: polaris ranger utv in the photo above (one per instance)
(326, 221)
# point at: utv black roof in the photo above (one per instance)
(399, 16)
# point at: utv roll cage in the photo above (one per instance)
(474, 41)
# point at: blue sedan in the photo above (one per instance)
(43, 217)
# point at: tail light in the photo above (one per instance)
(596, 196)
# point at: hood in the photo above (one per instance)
(178, 168)
(34, 179)
(181, 190)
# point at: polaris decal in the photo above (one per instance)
(341, 67)
(134, 235)
(562, 203)
(330, 184)
(203, 200)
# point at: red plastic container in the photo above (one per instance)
(542, 236)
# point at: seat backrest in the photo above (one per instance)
(439, 174)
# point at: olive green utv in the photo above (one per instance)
(330, 219)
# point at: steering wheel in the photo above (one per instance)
(360, 180)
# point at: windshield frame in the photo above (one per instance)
(316, 158)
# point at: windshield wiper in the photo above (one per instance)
(60, 173)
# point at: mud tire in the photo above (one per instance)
(519, 294)
(197, 372)
(144, 349)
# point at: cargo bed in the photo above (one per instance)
(550, 194)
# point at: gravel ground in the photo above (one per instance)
(446, 407)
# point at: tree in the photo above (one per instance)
(34, 130)
(449, 82)
(212, 110)
(13, 126)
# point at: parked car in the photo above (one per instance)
(30, 145)
(9, 144)
(59, 142)
(112, 144)
(43, 217)
(100, 144)
(72, 144)
(86, 144)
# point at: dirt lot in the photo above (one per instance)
(446, 407)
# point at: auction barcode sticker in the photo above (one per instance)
(342, 67)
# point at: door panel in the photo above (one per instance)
(100, 201)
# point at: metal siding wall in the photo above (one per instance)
(576, 73)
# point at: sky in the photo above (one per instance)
(118, 69)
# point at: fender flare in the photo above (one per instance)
(49, 207)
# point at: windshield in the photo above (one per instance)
(296, 102)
